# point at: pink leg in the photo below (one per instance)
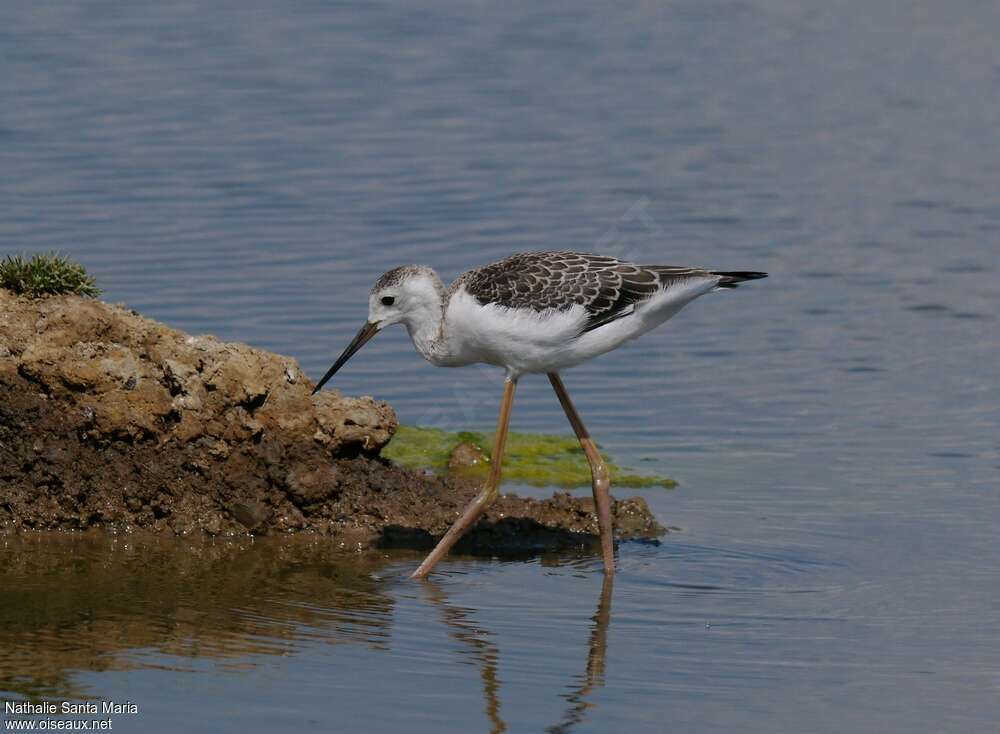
(601, 481)
(491, 490)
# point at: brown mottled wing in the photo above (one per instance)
(638, 283)
(606, 287)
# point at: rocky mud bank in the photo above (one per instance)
(111, 419)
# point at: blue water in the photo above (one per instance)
(249, 168)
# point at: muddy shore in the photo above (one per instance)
(109, 419)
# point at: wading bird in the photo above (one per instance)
(534, 312)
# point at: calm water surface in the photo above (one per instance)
(248, 168)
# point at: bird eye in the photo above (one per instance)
(388, 300)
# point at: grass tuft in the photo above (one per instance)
(48, 274)
(534, 459)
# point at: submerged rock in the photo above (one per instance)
(111, 419)
(465, 455)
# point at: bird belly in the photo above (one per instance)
(520, 340)
(527, 341)
(646, 317)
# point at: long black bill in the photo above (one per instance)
(367, 332)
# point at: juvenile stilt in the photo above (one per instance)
(600, 479)
(491, 490)
(532, 313)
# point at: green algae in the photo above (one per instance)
(535, 459)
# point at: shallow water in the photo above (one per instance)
(248, 169)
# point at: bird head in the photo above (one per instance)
(398, 296)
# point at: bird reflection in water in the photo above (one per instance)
(479, 646)
(593, 676)
(477, 642)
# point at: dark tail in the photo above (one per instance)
(731, 279)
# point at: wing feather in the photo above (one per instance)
(608, 288)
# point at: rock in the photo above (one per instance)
(309, 487)
(250, 514)
(111, 419)
(465, 455)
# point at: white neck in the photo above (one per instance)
(424, 318)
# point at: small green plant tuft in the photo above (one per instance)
(535, 459)
(48, 274)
